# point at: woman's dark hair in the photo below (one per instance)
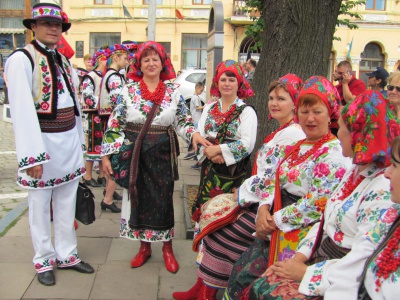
(230, 74)
(396, 149)
(148, 52)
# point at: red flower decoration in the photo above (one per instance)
(64, 17)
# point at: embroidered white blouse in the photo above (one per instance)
(346, 223)
(243, 130)
(312, 180)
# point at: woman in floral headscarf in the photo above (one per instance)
(331, 257)
(147, 213)
(221, 248)
(296, 190)
(231, 126)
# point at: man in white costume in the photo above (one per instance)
(49, 140)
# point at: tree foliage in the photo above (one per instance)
(255, 30)
(298, 39)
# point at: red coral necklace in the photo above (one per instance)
(295, 159)
(157, 96)
(219, 116)
(350, 185)
(387, 263)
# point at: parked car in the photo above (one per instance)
(187, 81)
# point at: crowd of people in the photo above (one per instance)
(315, 216)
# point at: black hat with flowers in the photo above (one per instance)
(48, 12)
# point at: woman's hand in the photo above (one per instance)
(292, 269)
(219, 159)
(198, 139)
(105, 160)
(212, 151)
(265, 223)
(35, 172)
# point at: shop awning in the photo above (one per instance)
(13, 30)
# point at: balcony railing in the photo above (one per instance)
(241, 11)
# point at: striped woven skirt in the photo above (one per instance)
(221, 249)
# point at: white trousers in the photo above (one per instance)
(65, 252)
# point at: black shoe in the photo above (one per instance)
(111, 207)
(116, 196)
(47, 278)
(196, 167)
(190, 155)
(91, 182)
(81, 267)
(102, 181)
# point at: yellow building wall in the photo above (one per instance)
(382, 27)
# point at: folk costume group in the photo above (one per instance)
(316, 216)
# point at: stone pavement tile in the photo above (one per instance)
(15, 279)
(16, 250)
(94, 250)
(102, 227)
(69, 285)
(179, 231)
(119, 281)
(192, 179)
(181, 281)
(21, 228)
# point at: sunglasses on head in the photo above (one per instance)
(392, 87)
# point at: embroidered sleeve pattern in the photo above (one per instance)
(183, 119)
(115, 85)
(89, 99)
(114, 135)
(28, 162)
(262, 188)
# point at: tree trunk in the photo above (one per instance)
(297, 39)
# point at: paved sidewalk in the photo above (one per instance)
(98, 244)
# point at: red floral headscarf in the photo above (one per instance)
(167, 71)
(373, 126)
(293, 84)
(245, 91)
(324, 89)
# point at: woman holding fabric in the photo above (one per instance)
(332, 255)
(231, 126)
(305, 177)
(222, 248)
(149, 101)
(382, 270)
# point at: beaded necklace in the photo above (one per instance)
(221, 117)
(157, 96)
(295, 159)
(387, 263)
(349, 186)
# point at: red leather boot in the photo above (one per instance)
(170, 261)
(191, 294)
(75, 224)
(143, 254)
(208, 293)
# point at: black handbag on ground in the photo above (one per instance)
(84, 211)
